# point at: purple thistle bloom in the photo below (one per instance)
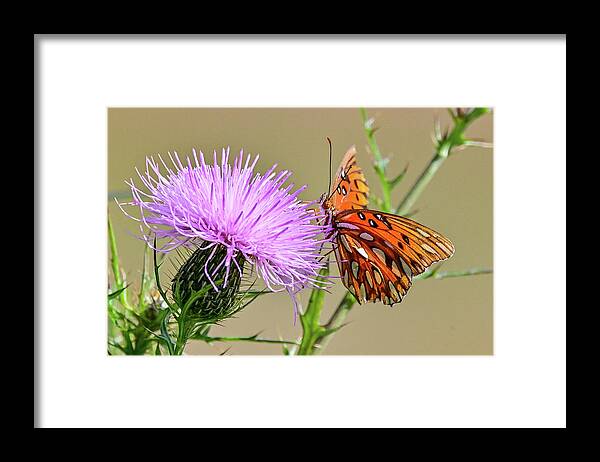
(198, 204)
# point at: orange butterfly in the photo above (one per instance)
(377, 253)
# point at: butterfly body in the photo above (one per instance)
(377, 253)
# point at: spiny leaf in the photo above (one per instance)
(116, 293)
(332, 330)
(165, 335)
(393, 183)
(252, 293)
(157, 278)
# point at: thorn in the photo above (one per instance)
(224, 352)
(369, 123)
(477, 142)
(437, 128)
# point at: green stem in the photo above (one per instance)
(181, 340)
(312, 330)
(444, 148)
(308, 342)
(454, 274)
(208, 339)
(336, 320)
(379, 163)
(409, 200)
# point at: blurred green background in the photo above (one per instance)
(438, 317)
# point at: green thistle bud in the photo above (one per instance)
(193, 291)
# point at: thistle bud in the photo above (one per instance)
(208, 287)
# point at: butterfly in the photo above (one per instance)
(377, 253)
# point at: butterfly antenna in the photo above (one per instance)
(330, 150)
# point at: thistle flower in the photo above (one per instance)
(235, 216)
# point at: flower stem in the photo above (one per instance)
(379, 163)
(312, 331)
(336, 319)
(427, 175)
(453, 274)
(443, 150)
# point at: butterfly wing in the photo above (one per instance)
(350, 190)
(379, 253)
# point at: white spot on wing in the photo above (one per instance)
(362, 251)
(366, 236)
(355, 269)
(347, 278)
(428, 248)
(378, 276)
(422, 233)
(338, 257)
(346, 225)
(443, 247)
(345, 243)
(363, 293)
(393, 291)
(406, 269)
(369, 279)
(380, 253)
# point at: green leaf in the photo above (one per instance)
(165, 335)
(333, 330)
(393, 183)
(116, 293)
(157, 278)
(256, 293)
